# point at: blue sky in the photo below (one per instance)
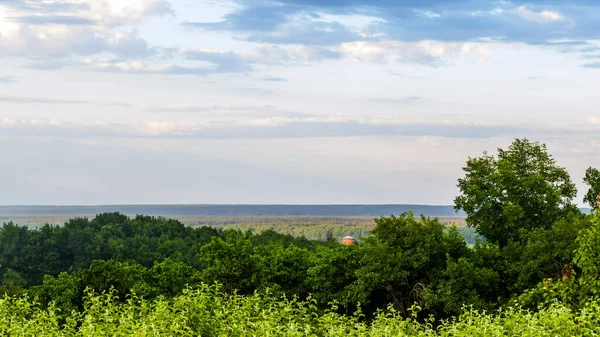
(290, 101)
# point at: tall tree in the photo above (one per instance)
(521, 188)
(592, 179)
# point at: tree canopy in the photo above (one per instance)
(592, 179)
(521, 188)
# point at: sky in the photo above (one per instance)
(289, 101)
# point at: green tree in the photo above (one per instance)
(169, 278)
(331, 271)
(521, 188)
(592, 179)
(544, 253)
(66, 291)
(282, 268)
(587, 257)
(230, 261)
(577, 287)
(124, 277)
(11, 283)
(463, 283)
(402, 258)
(14, 241)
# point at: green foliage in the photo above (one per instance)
(522, 188)
(169, 278)
(587, 258)
(207, 311)
(588, 255)
(230, 261)
(64, 292)
(543, 253)
(282, 268)
(50, 250)
(463, 282)
(11, 282)
(592, 179)
(579, 283)
(331, 271)
(67, 291)
(405, 261)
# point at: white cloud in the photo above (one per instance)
(163, 128)
(291, 54)
(544, 16)
(142, 67)
(48, 101)
(353, 20)
(49, 29)
(229, 108)
(127, 44)
(126, 66)
(11, 122)
(427, 52)
(259, 125)
(105, 13)
(121, 12)
(7, 28)
(428, 14)
(199, 61)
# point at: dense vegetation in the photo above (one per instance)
(207, 311)
(536, 273)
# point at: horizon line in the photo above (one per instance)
(223, 204)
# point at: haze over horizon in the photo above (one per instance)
(113, 102)
(247, 204)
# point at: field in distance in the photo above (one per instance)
(311, 227)
(315, 222)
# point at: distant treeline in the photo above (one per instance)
(310, 227)
(235, 210)
(35, 220)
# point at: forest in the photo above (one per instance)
(311, 227)
(532, 270)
